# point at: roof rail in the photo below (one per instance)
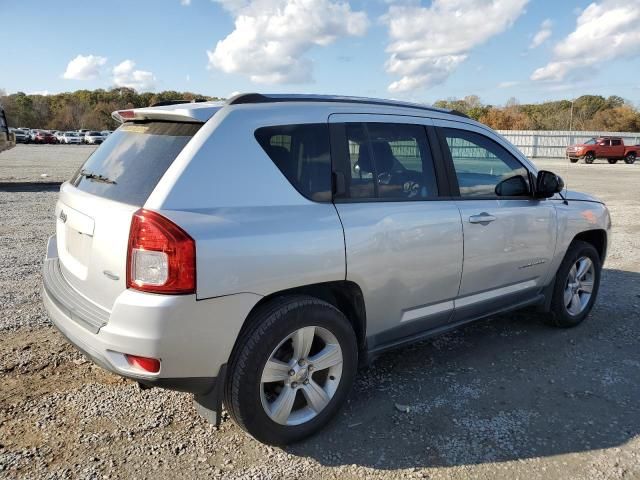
(249, 98)
(177, 102)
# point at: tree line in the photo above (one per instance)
(92, 109)
(588, 112)
(89, 109)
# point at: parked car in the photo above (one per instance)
(611, 148)
(255, 252)
(7, 138)
(93, 138)
(58, 134)
(106, 133)
(21, 135)
(83, 131)
(43, 136)
(69, 138)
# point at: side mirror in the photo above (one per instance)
(548, 184)
(516, 186)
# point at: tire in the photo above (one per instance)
(252, 403)
(612, 161)
(566, 309)
(574, 160)
(589, 158)
(630, 158)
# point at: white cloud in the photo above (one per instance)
(125, 75)
(185, 3)
(605, 31)
(232, 5)
(542, 35)
(84, 67)
(271, 37)
(428, 43)
(508, 84)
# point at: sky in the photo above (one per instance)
(533, 50)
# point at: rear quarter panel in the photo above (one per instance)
(254, 232)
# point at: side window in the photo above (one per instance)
(390, 161)
(301, 152)
(616, 142)
(606, 142)
(483, 167)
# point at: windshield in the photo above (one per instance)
(591, 141)
(132, 160)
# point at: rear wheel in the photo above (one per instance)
(630, 158)
(589, 158)
(291, 370)
(612, 161)
(576, 285)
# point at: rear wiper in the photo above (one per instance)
(96, 177)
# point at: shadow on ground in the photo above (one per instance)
(503, 389)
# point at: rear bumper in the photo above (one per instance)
(192, 339)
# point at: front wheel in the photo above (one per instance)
(589, 158)
(630, 158)
(291, 369)
(573, 160)
(576, 285)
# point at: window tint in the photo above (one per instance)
(606, 142)
(616, 142)
(301, 152)
(481, 164)
(390, 161)
(131, 162)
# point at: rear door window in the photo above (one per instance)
(389, 161)
(301, 152)
(130, 163)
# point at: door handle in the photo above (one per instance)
(483, 218)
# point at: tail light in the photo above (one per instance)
(161, 257)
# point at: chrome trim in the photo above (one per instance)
(421, 312)
(435, 308)
(495, 293)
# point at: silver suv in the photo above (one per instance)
(255, 252)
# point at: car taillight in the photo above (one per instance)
(161, 257)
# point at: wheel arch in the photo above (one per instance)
(345, 295)
(597, 238)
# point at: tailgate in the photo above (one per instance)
(93, 214)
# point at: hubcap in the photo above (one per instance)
(301, 376)
(579, 286)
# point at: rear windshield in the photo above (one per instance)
(132, 160)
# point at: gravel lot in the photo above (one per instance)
(502, 399)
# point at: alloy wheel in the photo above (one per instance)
(301, 376)
(579, 286)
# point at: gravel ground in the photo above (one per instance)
(42, 163)
(502, 399)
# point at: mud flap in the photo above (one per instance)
(209, 405)
(545, 307)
